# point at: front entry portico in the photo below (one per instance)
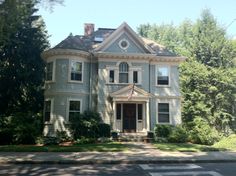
(131, 112)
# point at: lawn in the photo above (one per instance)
(184, 147)
(100, 147)
(228, 143)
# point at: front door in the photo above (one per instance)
(129, 118)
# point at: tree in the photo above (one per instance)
(207, 78)
(22, 39)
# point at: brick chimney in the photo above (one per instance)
(88, 28)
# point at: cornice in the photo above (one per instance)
(71, 52)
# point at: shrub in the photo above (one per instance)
(20, 128)
(51, 140)
(63, 136)
(162, 130)
(104, 130)
(178, 134)
(202, 133)
(84, 140)
(85, 125)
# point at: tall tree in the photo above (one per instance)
(22, 39)
(208, 79)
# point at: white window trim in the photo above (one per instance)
(69, 71)
(51, 110)
(68, 107)
(117, 72)
(53, 72)
(170, 119)
(156, 75)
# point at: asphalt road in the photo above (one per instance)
(198, 169)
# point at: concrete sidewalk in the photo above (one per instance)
(139, 154)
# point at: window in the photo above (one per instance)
(123, 72)
(49, 71)
(135, 77)
(74, 108)
(47, 111)
(118, 111)
(123, 44)
(111, 76)
(140, 111)
(162, 76)
(76, 71)
(163, 113)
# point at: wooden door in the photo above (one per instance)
(129, 118)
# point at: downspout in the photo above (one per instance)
(90, 82)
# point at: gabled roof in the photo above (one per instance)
(102, 38)
(126, 91)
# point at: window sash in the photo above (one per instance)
(163, 113)
(47, 110)
(135, 77)
(111, 76)
(140, 111)
(49, 71)
(76, 71)
(162, 76)
(118, 111)
(74, 108)
(123, 77)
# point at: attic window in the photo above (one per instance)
(123, 44)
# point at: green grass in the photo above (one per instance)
(184, 147)
(101, 147)
(228, 143)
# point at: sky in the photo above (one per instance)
(71, 16)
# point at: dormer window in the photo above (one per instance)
(123, 72)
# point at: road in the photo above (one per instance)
(198, 169)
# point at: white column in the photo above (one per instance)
(147, 116)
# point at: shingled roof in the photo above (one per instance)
(90, 42)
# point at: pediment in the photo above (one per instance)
(112, 44)
(131, 89)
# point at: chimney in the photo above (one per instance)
(88, 29)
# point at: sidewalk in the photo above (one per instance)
(140, 153)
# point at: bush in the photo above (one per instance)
(20, 128)
(178, 134)
(84, 140)
(104, 130)
(51, 140)
(63, 136)
(88, 125)
(162, 130)
(202, 133)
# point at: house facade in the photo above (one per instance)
(131, 81)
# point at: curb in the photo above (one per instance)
(118, 161)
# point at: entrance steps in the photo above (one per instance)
(133, 137)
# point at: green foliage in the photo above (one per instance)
(208, 77)
(178, 135)
(162, 130)
(228, 143)
(203, 133)
(88, 125)
(104, 130)
(22, 128)
(22, 39)
(84, 140)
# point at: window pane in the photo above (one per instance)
(123, 77)
(135, 77)
(118, 111)
(123, 67)
(47, 111)
(163, 107)
(163, 118)
(111, 76)
(162, 76)
(49, 71)
(76, 71)
(74, 105)
(140, 111)
(73, 115)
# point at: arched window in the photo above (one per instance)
(123, 72)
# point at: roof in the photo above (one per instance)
(96, 39)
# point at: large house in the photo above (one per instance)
(131, 81)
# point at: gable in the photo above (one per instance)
(132, 47)
(124, 33)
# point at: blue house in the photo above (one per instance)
(131, 81)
